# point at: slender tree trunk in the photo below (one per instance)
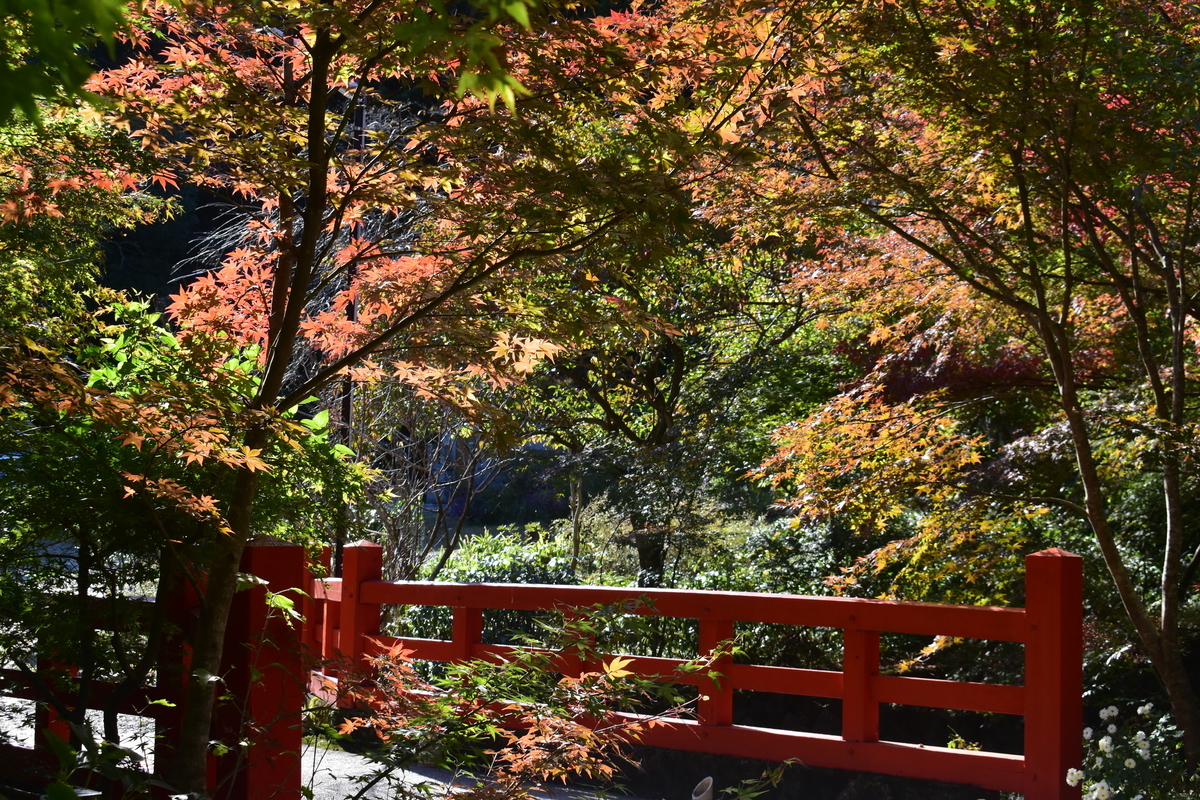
(86, 633)
(651, 545)
(168, 577)
(1182, 695)
(1179, 686)
(293, 275)
(190, 767)
(576, 519)
(1160, 639)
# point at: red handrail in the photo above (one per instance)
(342, 620)
(346, 616)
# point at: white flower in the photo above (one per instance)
(1140, 736)
(1087, 733)
(1105, 745)
(1109, 713)
(1112, 728)
(1146, 709)
(1099, 762)
(1074, 776)
(1100, 791)
(1129, 762)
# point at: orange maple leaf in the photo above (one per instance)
(134, 439)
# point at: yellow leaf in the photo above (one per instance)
(616, 667)
(253, 462)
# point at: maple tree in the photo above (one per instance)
(107, 432)
(408, 221)
(993, 200)
(1016, 170)
(417, 220)
(648, 391)
(654, 330)
(65, 184)
(113, 479)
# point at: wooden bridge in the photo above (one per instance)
(342, 616)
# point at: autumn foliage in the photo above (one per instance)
(986, 213)
(518, 721)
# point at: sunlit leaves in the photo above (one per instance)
(866, 461)
(64, 185)
(547, 724)
(40, 49)
(1001, 201)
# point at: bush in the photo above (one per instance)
(510, 555)
(1137, 757)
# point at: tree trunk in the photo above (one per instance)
(293, 275)
(651, 544)
(1182, 695)
(1160, 639)
(576, 520)
(190, 768)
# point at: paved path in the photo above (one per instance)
(338, 775)
(332, 774)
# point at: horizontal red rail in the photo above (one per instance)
(140, 702)
(928, 619)
(814, 749)
(261, 668)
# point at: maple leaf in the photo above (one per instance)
(616, 667)
(133, 439)
(251, 460)
(165, 180)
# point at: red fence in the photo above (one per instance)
(342, 619)
(19, 762)
(262, 680)
(345, 616)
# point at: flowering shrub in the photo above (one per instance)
(1133, 758)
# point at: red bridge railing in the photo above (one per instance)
(344, 620)
(266, 670)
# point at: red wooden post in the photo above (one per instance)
(1053, 673)
(331, 631)
(174, 664)
(62, 677)
(467, 632)
(860, 665)
(361, 561)
(264, 670)
(578, 647)
(312, 609)
(718, 708)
